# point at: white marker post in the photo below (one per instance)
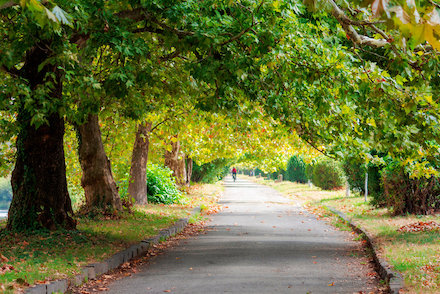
(366, 185)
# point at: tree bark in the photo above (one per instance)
(175, 160)
(97, 180)
(137, 187)
(189, 168)
(39, 185)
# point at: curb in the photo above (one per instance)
(94, 270)
(395, 280)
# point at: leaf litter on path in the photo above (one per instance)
(103, 282)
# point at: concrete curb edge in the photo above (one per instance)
(94, 270)
(395, 280)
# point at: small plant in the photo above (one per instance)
(161, 186)
(328, 174)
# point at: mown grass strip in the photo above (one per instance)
(416, 255)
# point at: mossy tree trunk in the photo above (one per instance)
(100, 188)
(137, 187)
(39, 185)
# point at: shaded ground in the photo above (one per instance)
(259, 243)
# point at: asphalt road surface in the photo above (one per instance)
(259, 243)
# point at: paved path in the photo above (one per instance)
(259, 243)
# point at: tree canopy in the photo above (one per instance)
(255, 79)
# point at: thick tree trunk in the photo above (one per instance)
(175, 160)
(97, 180)
(137, 187)
(39, 185)
(189, 168)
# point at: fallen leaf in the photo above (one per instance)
(3, 258)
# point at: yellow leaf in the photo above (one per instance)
(430, 37)
(371, 122)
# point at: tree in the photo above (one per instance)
(137, 187)
(98, 48)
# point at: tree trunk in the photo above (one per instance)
(176, 162)
(97, 180)
(189, 168)
(137, 187)
(39, 185)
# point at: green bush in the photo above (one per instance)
(328, 174)
(355, 173)
(274, 175)
(210, 172)
(296, 170)
(409, 195)
(161, 186)
(309, 171)
(259, 172)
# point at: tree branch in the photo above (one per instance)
(167, 119)
(12, 71)
(347, 25)
(139, 14)
(238, 36)
(148, 29)
(170, 56)
(8, 4)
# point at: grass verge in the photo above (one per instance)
(414, 254)
(42, 256)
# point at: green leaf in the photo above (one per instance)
(62, 16)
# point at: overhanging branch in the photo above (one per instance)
(347, 25)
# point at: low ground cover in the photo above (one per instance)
(410, 243)
(27, 259)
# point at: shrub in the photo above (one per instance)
(161, 186)
(355, 173)
(309, 171)
(210, 172)
(328, 174)
(259, 172)
(296, 170)
(409, 195)
(275, 175)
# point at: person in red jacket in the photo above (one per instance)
(234, 173)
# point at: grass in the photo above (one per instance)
(415, 254)
(42, 256)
